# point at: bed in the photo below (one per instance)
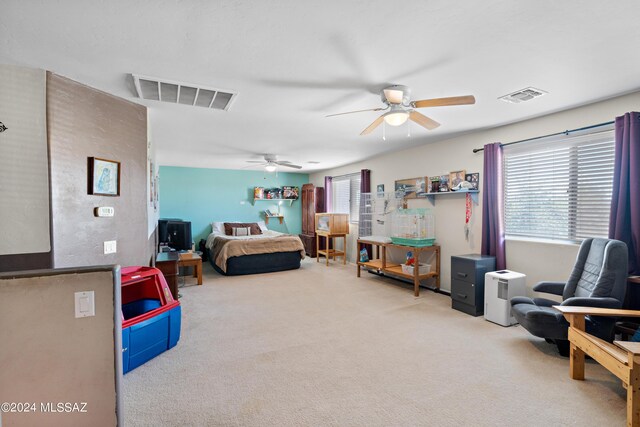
(252, 254)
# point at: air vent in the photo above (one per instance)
(523, 95)
(182, 93)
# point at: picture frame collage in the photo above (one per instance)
(420, 187)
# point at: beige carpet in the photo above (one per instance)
(318, 346)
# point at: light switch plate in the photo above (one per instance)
(110, 247)
(85, 304)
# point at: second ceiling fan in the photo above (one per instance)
(398, 101)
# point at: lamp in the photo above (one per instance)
(396, 116)
(270, 167)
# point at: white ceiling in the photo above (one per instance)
(293, 62)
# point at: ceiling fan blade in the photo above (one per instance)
(255, 161)
(289, 165)
(423, 120)
(372, 126)
(393, 96)
(252, 166)
(358, 111)
(443, 102)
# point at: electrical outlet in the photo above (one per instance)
(110, 247)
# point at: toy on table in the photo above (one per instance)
(410, 259)
(364, 255)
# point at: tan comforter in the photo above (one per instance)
(225, 247)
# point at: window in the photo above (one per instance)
(559, 188)
(346, 195)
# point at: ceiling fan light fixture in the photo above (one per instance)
(396, 117)
(270, 167)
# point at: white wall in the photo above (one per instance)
(539, 261)
(24, 163)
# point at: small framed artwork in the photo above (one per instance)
(151, 183)
(434, 186)
(474, 179)
(412, 188)
(290, 192)
(380, 190)
(443, 184)
(104, 177)
(456, 177)
(155, 193)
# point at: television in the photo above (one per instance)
(175, 233)
(163, 237)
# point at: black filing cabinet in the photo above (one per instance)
(467, 282)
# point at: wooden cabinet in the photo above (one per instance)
(167, 263)
(332, 223)
(312, 202)
(467, 282)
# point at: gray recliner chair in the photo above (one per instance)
(598, 279)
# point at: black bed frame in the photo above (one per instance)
(259, 263)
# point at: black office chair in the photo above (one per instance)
(598, 279)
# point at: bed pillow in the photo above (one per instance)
(241, 231)
(229, 226)
(263, 226)
(217, 227)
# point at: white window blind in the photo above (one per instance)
(346, 195)
(559, 188)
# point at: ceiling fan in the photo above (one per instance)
(271, 163)
(397, 100)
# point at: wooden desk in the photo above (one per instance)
(380, 263)
(331, 253)
(192, 260)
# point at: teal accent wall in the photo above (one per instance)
(205, 195)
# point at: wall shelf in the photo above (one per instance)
(274, 200)
(432, 196)
(266, 217)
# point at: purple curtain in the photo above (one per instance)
(328, 194)
(624, 220)
(492, 202)
(364, 228)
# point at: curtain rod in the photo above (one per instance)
(566, 132)
(346, 175)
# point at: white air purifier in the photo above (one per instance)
(499, 288)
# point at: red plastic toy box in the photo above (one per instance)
(150, 316)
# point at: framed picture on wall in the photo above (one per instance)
(474, 179)
(104, 177)
(456, 177)
(412, 188)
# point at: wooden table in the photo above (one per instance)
(380, 262)
(331, 253)
(192, 260)
(169, 262)
(622, 358)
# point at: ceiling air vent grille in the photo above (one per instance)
(523, 95)
(182, 93)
